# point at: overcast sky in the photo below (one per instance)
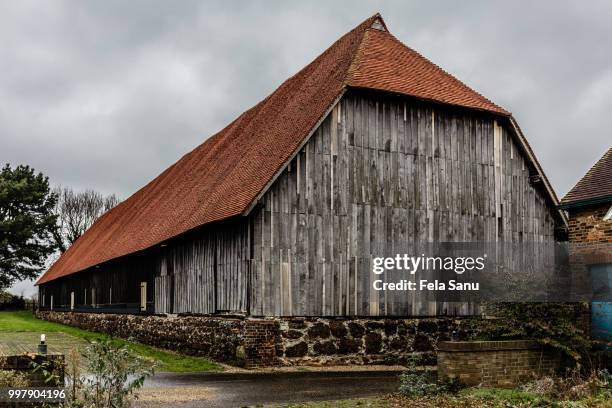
(107, 94)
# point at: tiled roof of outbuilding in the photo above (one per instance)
(596, 185)
(223, 176)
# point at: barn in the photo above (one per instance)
(280, 213)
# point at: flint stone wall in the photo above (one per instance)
(254, 343)
(320, 341)
(232, 340)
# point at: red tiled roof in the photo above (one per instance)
(384, 63)
(596, 184)
(224, 175)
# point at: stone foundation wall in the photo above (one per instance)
(226, 339)
(494, 363)
(276, 341)
(320, 341)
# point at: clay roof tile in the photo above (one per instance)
(595, 185)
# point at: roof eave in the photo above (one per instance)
(502, 112)
(548, 187)
(585, 202)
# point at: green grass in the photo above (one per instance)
(516, 398)
(508, 396)
(350, 403)
(467, 398)
(24, 321)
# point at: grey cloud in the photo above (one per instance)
(105, 95)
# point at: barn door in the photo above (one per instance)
(143, 296)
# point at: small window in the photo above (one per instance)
(51, 307)
(71, 300)
(608, 215)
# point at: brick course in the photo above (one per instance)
(494, 363)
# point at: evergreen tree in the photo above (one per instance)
(27, 223)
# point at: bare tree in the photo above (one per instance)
(77, 211)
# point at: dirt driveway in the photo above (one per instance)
(238, 390)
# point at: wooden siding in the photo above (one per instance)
(209, 271)
(379, 175)
(203, 273)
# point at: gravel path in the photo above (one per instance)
(241, 389)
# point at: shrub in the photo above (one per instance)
(417, 383)
(112, 376)
(508, 397)
(573, 386)
(551, 324)
(13, 379)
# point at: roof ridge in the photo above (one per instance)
(353, 66)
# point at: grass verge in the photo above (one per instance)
(467, 398)
(24, 321)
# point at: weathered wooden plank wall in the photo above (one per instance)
(211, 270)
(379, 176)
(205, 272)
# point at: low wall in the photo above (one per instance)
(320, 341)
(252, 342)
(494, 363)
(238, 341)
(23, 363)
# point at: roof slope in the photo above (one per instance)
(385, 64)
(224, 175)
(595, 185)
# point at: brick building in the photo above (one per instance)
(589, 205)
